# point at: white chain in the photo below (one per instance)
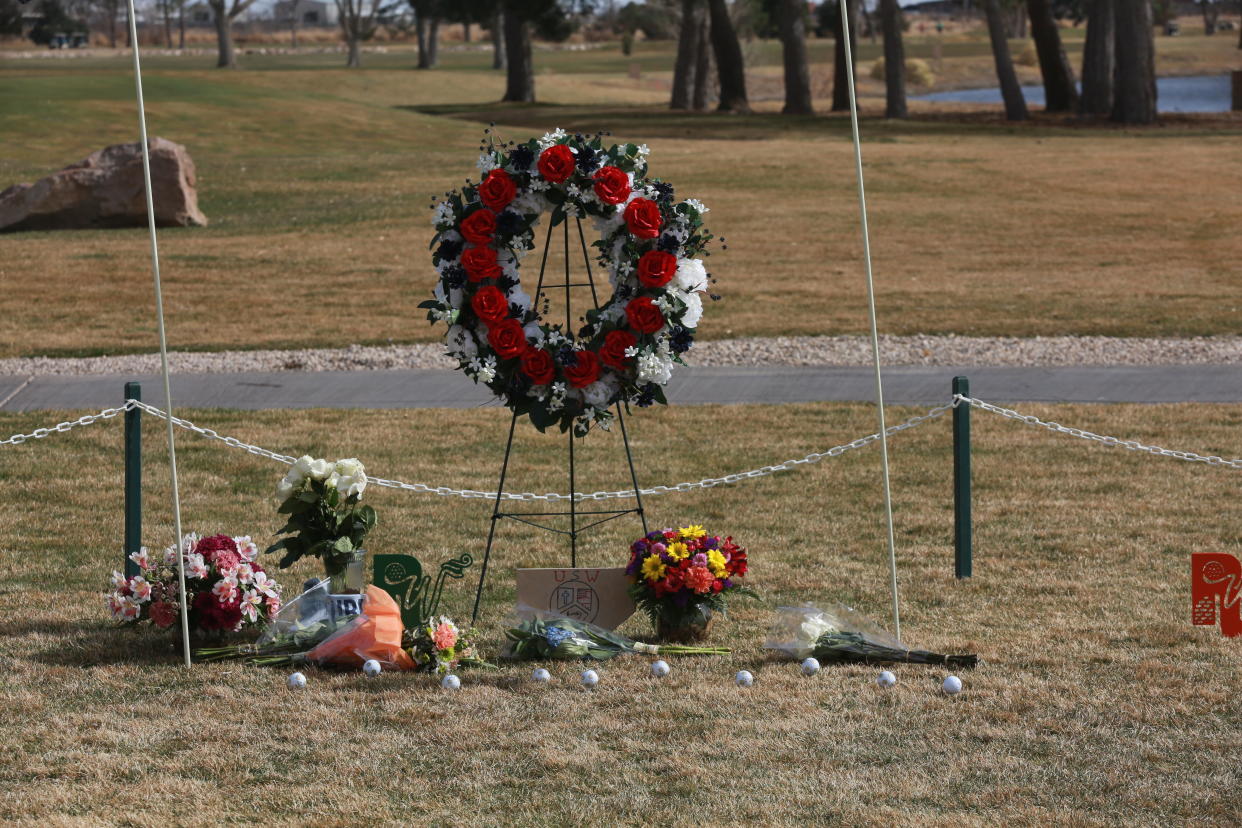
(89, 419)
(445, 491)
(1132, 445)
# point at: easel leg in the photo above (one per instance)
(491, 533)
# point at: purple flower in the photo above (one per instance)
(659, 548)
(711, 543)
(639, 547)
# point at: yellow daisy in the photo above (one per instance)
(716, 562)
(693, 531)
(653, 568)
(678, 551)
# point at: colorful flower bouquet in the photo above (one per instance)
(842, 634)
(325, 520)
(226, 589)
(438, 645)
(680, 579)
(538, 634)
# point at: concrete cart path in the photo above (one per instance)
(775, 384)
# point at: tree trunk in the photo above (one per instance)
(1098, 61)
(894, 61)
(354, 58)
(520, 74)
(840, 71)
(498, 40)
(1134, 78)
(433, 42)
(1011, 90)
(181, 25)
(129, 38)
(167, 24)
(1211, 13)
(702, 65)
(420, 31)
(683, 65)
(1060, 91)
(868, 24)
(793, 46)
(730, 65)
(465, 32)
(111, 9)
(224, 38)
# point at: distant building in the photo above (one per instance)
(305, 12)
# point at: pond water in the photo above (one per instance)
(1197, 93)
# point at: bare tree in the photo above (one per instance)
(1011, 90)
(1099, 59)
(894, 61)
(520, 69)
(225, 13)
(358, 20)
(1060, 90)
(1134, 84)
(687, 46)
(1211, 15)
(840, 76)
(703, 65)
(730, 65)
(793, 48)
(498, 39)
(427, 30)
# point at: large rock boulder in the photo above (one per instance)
(106, 190)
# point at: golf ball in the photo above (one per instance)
(450, 682)
(886, 679)
(810, 667)
(541, 675)
(372, 668)
(297, 681)
(952, 685)
(744, 678)
(590, 678)
(659, 669)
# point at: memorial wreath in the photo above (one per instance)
(649, 244)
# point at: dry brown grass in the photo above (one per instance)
(1098, 702)
(316, 180)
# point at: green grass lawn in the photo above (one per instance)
(1096, 698)
(316, 182)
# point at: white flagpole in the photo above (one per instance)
(159, 310)
(875, 337)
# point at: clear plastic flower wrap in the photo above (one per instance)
(842, 634)
(542, 634)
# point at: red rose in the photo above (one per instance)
(642, 216)
(497, 190)
(507, 338)
(583, 372)
(479, 227)
(613, 352)
(556, 163)
(212, 615)
(612, 185)
(209, 546)
(480, 263)
(657, 268)
(643, 315)
(163, 614)
(490, 304)
(538, 365)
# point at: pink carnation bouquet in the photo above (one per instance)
(226, 588)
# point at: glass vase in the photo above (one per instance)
(688, 627)
(347, 573)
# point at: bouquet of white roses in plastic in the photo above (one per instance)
(325, 520)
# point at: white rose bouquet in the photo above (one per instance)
(325, 519)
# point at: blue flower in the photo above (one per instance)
(556, 635)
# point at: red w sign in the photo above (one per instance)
(1216, 586)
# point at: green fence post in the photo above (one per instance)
(133, 478)
(962, 564)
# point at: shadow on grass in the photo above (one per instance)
(84, 643)
(659, 122)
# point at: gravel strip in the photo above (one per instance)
(784, 350)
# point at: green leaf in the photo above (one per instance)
(343, 546)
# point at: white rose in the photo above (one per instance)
(348, 467)
(597, 394)
(691, 275)
(320, 469)
(284, 489)
(303, 466)
(694, 310)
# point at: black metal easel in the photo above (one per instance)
(602, 515)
